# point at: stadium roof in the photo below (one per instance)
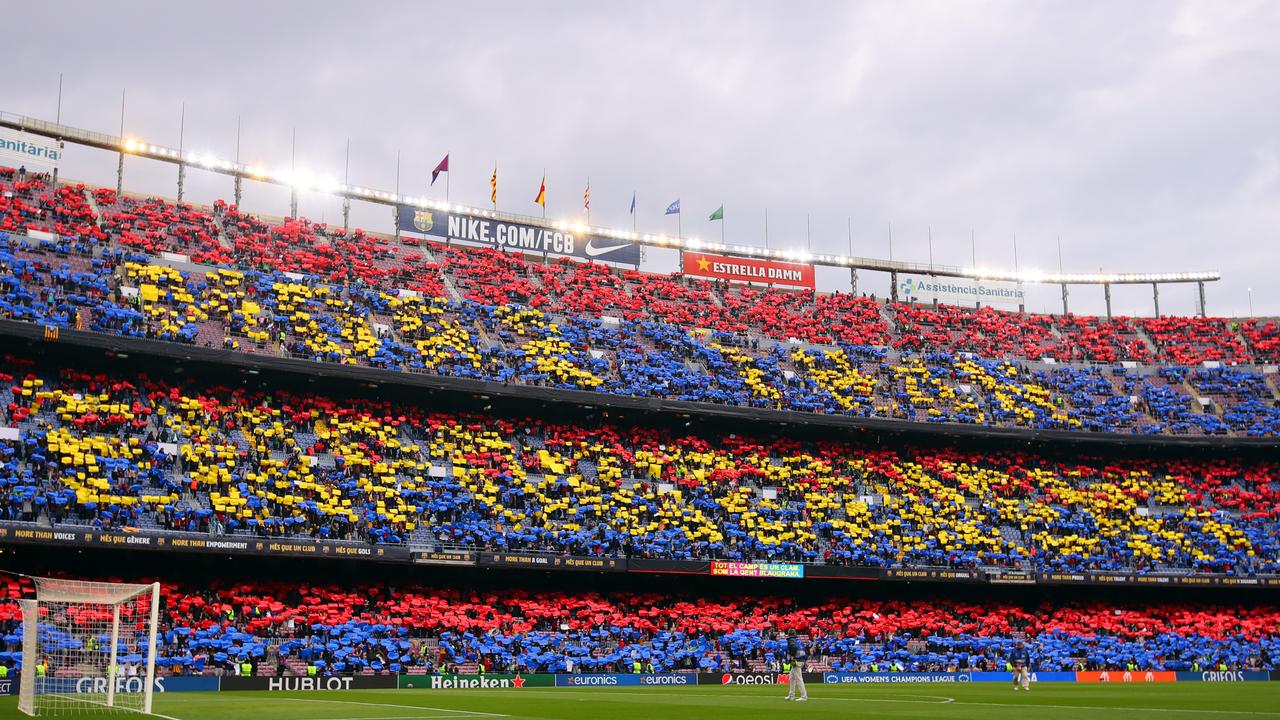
(303, 180)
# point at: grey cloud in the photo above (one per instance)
(1142, 133)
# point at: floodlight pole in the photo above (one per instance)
(853, 271)
(1065, 309)
(1106, 294)
(58, 122)
(893, 285)
(1200, 286)
(1155, 297)
(238, 178)
(293, 176)
(394, 208)
(182, 164)
(346, 180)
(930, 248)
(120, 164)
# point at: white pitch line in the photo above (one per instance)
(401, 707)
(1188, 711)
(1264, 713)
(607, 692)
(1135, 709)
(402, 717)
(118, 707)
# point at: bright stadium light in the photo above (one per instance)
(308, 179)
(1038, 276)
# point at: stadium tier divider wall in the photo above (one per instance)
(27, 533)
(515, 683)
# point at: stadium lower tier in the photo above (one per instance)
(306, 291)
(118, 451)
(273, 628)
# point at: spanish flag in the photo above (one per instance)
(542, 193)
(493, 186)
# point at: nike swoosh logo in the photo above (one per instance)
(592, 251)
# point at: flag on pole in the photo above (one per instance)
(586, 197)
(542, 193)
(674, 207)
(442, 167)
(718, 214)
(633, 203)
(493, 186)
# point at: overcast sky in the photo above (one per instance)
(1145, 134)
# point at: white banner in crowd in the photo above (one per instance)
(18, 148)
(925, 288)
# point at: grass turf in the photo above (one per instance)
(935, 702)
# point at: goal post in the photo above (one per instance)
(88, 648)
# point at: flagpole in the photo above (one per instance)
(447, 174)
(766, 228)
(393, 214)
(588, 199)
(853, 271)
(722, 224)
(542, 190)
(680, 233)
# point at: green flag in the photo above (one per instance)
(718, 214)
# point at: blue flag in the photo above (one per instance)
(674, 208)
(633, 203)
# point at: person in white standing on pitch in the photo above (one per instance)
(1022, 668)
(799, 654)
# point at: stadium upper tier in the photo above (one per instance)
(114, 452)
(154, 269)
(282, 628)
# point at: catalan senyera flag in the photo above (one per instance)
(586, 197)
(542, 193)
(493, 186)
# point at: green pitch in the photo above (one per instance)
(935, 702)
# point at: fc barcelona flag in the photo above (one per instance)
(442, 167)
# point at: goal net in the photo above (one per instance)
(88, 648)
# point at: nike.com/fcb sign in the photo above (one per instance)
(515, 236)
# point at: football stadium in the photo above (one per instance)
(425, 447)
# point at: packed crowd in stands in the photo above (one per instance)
(117, 451)
(302, 289)
(280, 628)
(130, 452)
